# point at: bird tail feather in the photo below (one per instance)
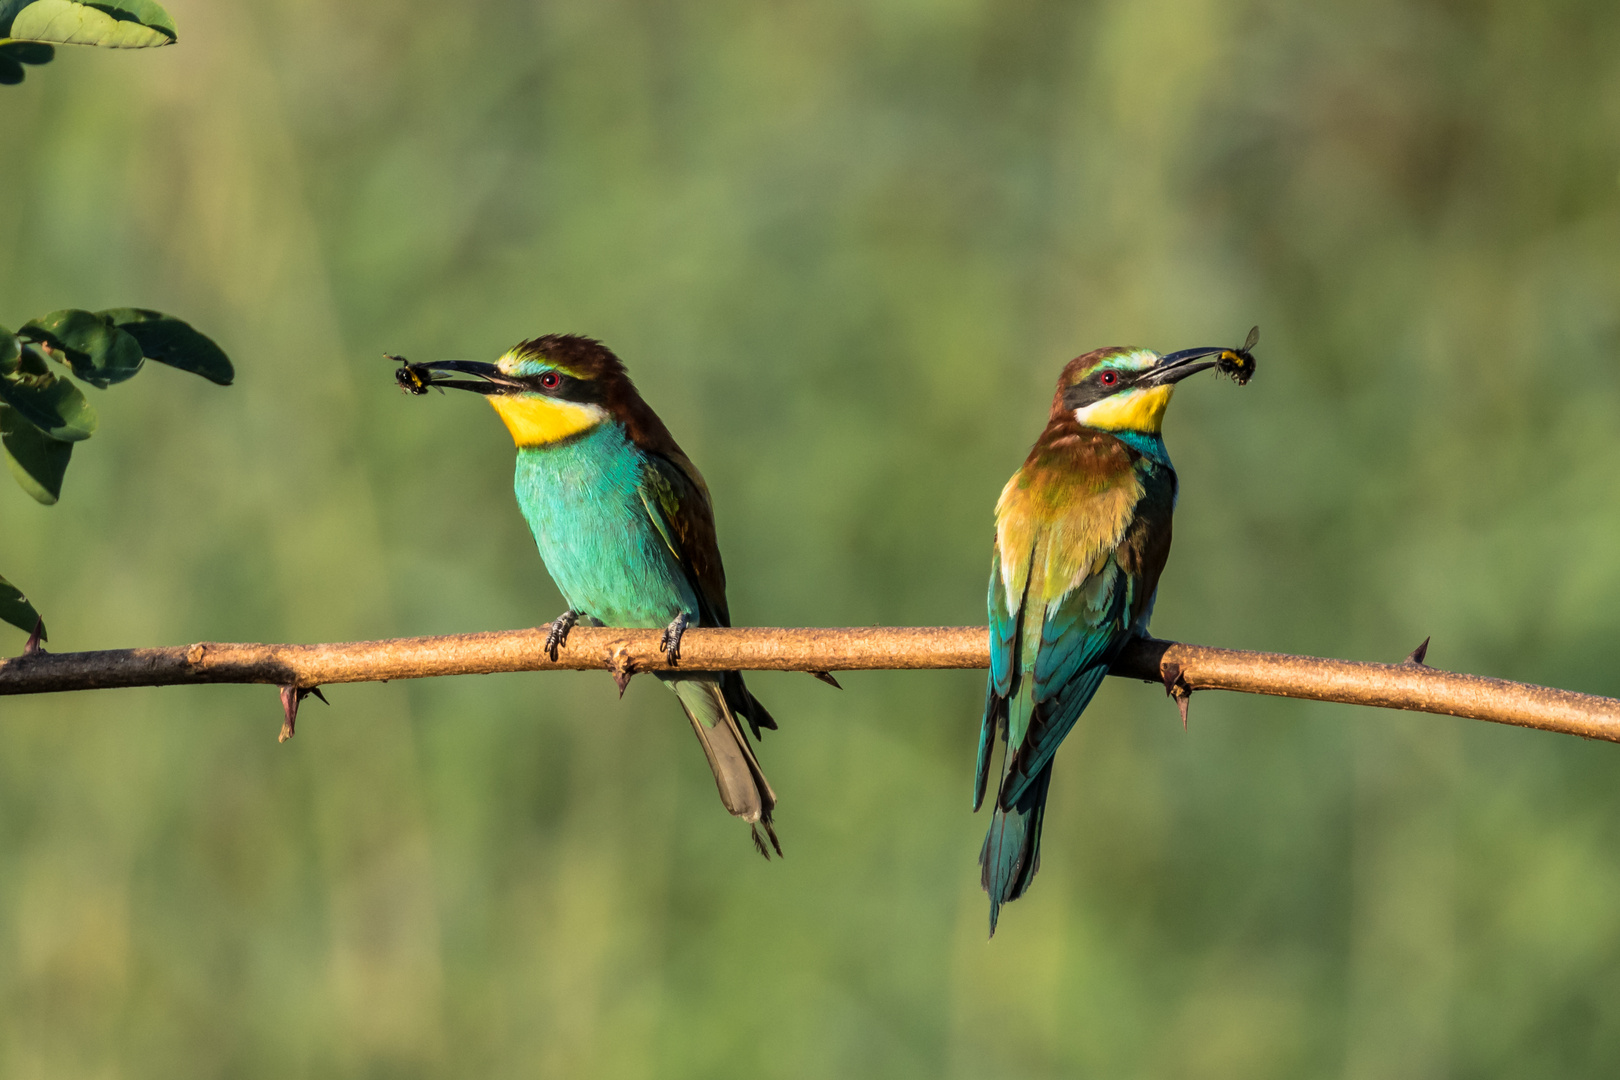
(743, 787)
(744, 704)
(1012, 848)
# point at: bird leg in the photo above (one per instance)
(672, 639)
(557, 637)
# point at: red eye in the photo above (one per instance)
(551, 380)
(1108, 378)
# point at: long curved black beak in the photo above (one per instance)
(1173, 367)
(491, 379)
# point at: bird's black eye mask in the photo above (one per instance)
(557, 384)
(1098, 385)
(566, 387)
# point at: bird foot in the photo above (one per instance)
(557, 636)
(1176, 687)
(671, 642)
(291, 697)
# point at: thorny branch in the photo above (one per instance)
(1182, 669)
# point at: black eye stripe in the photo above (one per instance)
(554, 383)
(1094, 387)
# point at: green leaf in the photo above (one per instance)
(51, 404)
(148, 12)
(37, 461)
(16, 610)
(126, 24)
(8, 12)
(169, 341)
(99, 352)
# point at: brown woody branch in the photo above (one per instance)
(1181, 668)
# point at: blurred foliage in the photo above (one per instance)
(845, 248)
(42, 414)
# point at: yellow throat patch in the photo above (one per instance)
(540, 421)
(1133, 410)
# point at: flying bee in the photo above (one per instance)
(1239, 363)
(414, 379)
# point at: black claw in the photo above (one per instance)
(1417, 654)
(557, 637)
(671, 642)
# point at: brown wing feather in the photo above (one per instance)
(683, 503)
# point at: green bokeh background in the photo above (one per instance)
(844, 248)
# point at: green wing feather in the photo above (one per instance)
(677, 502)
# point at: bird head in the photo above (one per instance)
(547, 389)
(1125, 389)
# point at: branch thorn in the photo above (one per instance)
(33, 647)
(1415, 658)
(826, 677)
(622, 666)
(1176, 687)
(291, 697)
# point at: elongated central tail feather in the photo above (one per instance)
(1012, 848)
(743, 787)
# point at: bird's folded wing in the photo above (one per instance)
(677, 503)
(1078, 635)
(1006, 613)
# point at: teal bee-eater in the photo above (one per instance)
(1082, 532)
(623, 521)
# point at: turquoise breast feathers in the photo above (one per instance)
(582, 501)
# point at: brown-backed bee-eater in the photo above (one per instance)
(623, 521)
(1082, 532)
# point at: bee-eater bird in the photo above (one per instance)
(1082, 532)
(623, 521)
